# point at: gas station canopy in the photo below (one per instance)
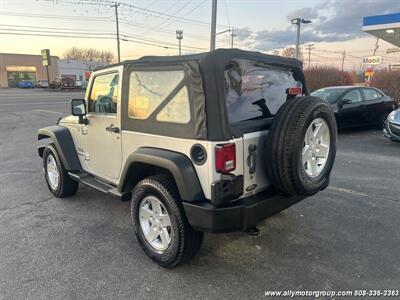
(385, 27)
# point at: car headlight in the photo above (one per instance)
(391, 116)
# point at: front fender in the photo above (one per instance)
(61, 137)
(178, 164)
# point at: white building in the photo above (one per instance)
(76, 69)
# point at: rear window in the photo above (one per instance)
(254, 90)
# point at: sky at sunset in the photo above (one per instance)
(148, 27)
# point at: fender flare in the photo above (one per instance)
(62, 139)
(178, 164)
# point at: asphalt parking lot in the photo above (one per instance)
(344, 238)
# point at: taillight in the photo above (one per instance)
(225, 158)
(294, 91)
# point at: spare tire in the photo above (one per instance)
(301, 146)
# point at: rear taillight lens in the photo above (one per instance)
(294, 91)
(225, 158)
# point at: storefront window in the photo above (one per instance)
(15, 77)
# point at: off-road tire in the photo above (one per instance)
(285, 143)
(185, 240)
(66, 187)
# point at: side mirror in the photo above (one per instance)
(78, 109)
(346, 101)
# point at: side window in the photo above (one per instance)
(371, 94)
(354, 96)
(148, 89)
(104, 94)
(177, 110)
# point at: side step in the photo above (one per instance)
(99, 185)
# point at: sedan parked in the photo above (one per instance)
(392, 126)
(357, 106)
(42, 84)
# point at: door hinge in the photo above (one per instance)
(84, 131)
(87, 156)
(252, 158)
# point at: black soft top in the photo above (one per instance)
(206, 82)
(209, 59)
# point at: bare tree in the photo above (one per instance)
(289, 52)
(89, 54)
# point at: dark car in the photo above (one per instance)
(392, 126)
(67, 83)
(357, 106)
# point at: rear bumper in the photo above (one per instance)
(239, 215)
(391, 130)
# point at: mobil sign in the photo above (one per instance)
(372, 60)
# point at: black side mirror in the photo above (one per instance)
(346, 101)
(78, 109)
(342, 102)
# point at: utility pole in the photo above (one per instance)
(232, 36)
(298, 22)
(117, 23)
(179, 36)
(309, 48)
(213, 24)
(343, 57)
(298, 40)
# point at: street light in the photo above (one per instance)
(179, 36)
(298, 22)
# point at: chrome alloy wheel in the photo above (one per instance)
(155, 223)
(53, 175)
(316, 147)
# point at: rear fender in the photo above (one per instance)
(176, 164)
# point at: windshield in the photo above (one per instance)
(330, 95)
(254, 90)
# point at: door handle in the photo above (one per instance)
(112, 129)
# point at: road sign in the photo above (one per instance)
(369, 72)
(46, 57)
(372, 60)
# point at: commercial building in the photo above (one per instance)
(76, 69)
(17, 67)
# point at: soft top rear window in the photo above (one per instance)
(254, 90)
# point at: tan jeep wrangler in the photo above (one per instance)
(213, 142)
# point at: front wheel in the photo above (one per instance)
(160, 223)
(57, 178)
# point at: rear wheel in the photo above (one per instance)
(57, 178)
(301, 146)
(160, 223)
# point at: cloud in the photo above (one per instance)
(332, 21)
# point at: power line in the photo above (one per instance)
(167, 19)
(61, 32)
(126, 38)
(141, 10)
(187, 13)
(59, 35)
(78, 30)
(95, 19)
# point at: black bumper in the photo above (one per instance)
(238, 215)
(391, 130)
